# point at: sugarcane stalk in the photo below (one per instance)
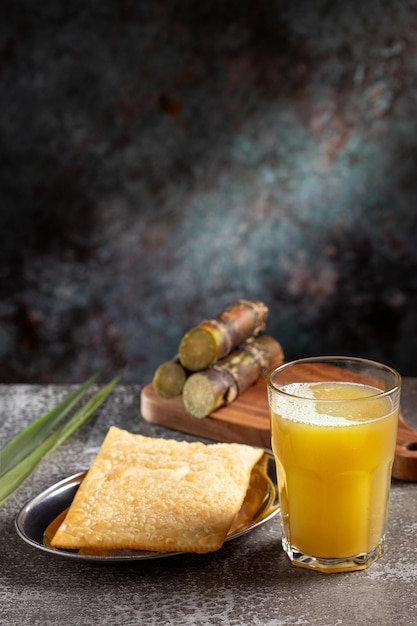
(215, 338)
(169, 378)
(221, 383)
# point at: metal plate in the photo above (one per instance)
(39, 518)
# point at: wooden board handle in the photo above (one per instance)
(405, 462)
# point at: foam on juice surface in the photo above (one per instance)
(331, 404)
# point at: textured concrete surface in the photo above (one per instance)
(159, 159)
(249, 582)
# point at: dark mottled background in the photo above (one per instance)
(162, 158)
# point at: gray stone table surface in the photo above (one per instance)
(249, 581)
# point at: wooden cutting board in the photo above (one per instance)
(246, 420)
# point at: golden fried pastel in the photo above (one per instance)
(145, 493)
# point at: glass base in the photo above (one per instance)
(334, 566)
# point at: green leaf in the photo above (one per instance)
(34, 434)
(13, 478)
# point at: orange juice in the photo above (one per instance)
(334, 453)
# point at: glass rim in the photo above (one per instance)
(273, 387)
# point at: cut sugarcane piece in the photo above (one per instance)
(215, 338)
(220, 384)
(169, 379)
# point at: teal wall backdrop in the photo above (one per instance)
(159, 159)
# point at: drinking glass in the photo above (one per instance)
(333, 428)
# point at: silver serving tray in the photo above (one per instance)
(41, 515)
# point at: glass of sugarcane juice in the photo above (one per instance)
(334, 426)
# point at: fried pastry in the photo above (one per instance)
(144, 493)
